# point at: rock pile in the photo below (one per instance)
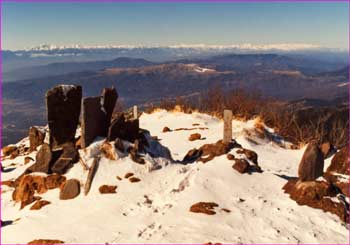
(311, 191)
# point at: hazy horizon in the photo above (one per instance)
(26, 25)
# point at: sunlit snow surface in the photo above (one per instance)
(266, 216)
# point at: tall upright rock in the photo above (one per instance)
(96, 115)
(63, 104)
(108, 101)
(312, 163)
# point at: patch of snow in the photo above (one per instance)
(266, 214)
(343, 84)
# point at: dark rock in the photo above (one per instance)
(107, 189)
(128, 175)
(251, 155)
(134, 179)
(195, 136)
(42, 160)
(94, 120)
(36, 137)
(340, 162)
(210, 151)
(109, 99)
(204, 207)
(241, 165)
(118, 144)
(192, 156)
(69, 156)
(63, 104)
(123, 129)
(327, 149)
(70, 189)
(39, 204)
(166, 129)
(230, 157)
(311, 164)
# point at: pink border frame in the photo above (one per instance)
(163, 1)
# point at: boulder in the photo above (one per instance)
(124, 129)
(94, 120)
(70, 189)
(204, 207)
(210, 151)
(195, 136)
(67, 158)
(340, 162)
(26, 188)
(96, 116)
(316, 194)
(42, 160)
(36, 137)
(241, 165)
(63, 104)
(312, 163)
(107, 189)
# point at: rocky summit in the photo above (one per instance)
(141, 190)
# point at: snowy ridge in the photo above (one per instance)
(244, 46)
(156, 209)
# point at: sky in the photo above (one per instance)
(25, 25)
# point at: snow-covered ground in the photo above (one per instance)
(260, 211)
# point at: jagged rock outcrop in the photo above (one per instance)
(42, 160)
(124, 129)
(63, 104)
(36, 137)
(96, 115)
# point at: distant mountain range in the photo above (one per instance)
(46, 54)
(142, 82)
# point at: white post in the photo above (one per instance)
(135, 112)
(227, 126)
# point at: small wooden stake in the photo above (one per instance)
(135, 112)
(91, 175)
(227, 126)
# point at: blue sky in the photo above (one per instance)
(31, 24)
